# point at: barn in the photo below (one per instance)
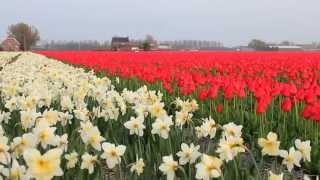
(120, 44)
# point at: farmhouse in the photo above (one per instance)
(120, 44)
(10, 44)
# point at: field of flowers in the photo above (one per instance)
(170, 115)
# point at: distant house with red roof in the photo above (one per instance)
(10, 44)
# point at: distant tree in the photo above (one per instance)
(148, 43)
(27, 35)
(258, 45)
(145, 46)
(1, 48)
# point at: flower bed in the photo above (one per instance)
(64, 122)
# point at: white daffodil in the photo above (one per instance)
(28, 103)
(161, 126)
(209, 167)
(209, 126)
(20, 144)
(188, 154)
(156, 110)
(88, 162)
(182, 118)
(63, 142)
(28, 119)
(72, 159)
(65, 118)
(45, 134)
(66, 103)
(17, 171)
(135, 125)
(138, 166)
(230, 147)
(12, 104)
(270, 146)
(85, 128)
(82, 114)
(200, 132)
(168, 167)
(51, 116)
(141, 110)
(305, 149)
(292, 158)
(44, 166)
(93, 138)
(112, 154)
(273, 176)
(232, 129)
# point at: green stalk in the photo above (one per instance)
(120, 172)
(236, 168)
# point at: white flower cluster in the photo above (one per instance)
(6, 57)
(184, 116)
(42, 97)
(301, 151)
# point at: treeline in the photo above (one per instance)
(75, 45)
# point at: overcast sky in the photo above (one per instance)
(232, 22)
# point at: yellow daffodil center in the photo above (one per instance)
(173, 167)
(29, 104)
(93, 139)
(23, 142)
(269, 144)
(157, 110)
(135, 126)
(290, 159)
(43, 166)
(113, 153)
(232, 133)
(188, 155)
(44, 135)
(210, 167)
(163, 127)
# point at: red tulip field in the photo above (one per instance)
(291, 78)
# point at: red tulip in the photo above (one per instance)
(286, 105)
(219, 108)
(203, 94)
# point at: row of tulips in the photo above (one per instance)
(61, 122)
(262, 91)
